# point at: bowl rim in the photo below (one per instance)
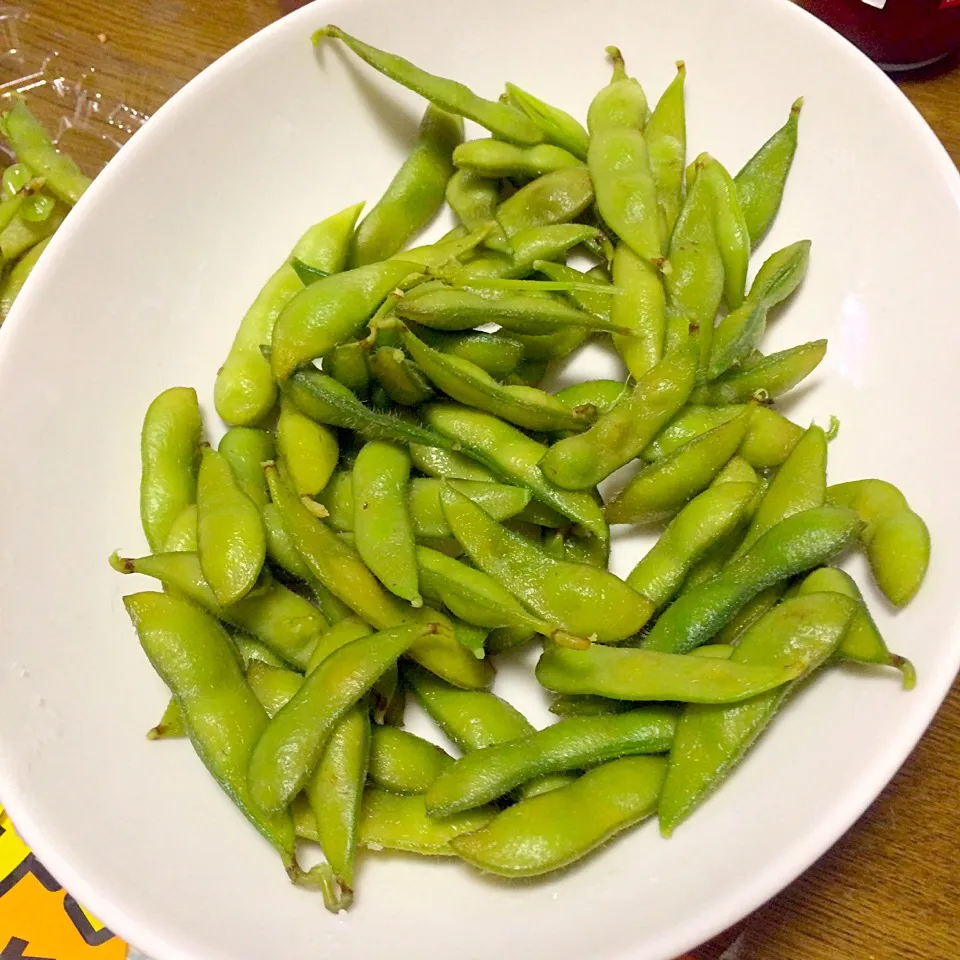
(728, 907)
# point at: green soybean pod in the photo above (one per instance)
(863, 642)
(282, 620)
(273, 686)
(662, 488)
(290, 747)
(616, 437)
(404, 763)
(761, 182)
(800, 484)
(702, 523)
(641, 307)
(514, 458)
(555, 198)
(16, 277)
(245, 390)
(628, 673)
(170, 461)
(246, 450)
(496, 159)
(231, 541)
(711, 740)
(402, 380)
(392, 821)
(415, 194)
(335, 790)
(557, 125)
(347, 364)
(309, 450)
(550, 831)
(795, 545)
(381, 518)
(330, 312)
(32, 146)
(500, 119)
(224, 720)
(767, 379)
(896, 539)
(586, 601)
(666, 135)
(575, 744)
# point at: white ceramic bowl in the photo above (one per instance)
(143, 289)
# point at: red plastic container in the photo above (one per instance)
(898, 34)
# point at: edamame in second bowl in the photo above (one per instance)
(160, 312)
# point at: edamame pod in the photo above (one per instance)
(445, 464)
(391, 821)
(548, 832)
(16, 277)
(641, 307)
(292, 744)
(335, 791)
(32, 146)
(325, 400)
(575, 744)
(554, 198)
(339, 568)
(529, 246)
(761, 181)
(862, 642)
(496, 159)
(415, 194)
(628, 673)
(231, 541)
(767, 379)
(381, 518)
(702, 523)
(496, 353)
(796, 544)
(478, 598)
(308, 449)
(695, 283)
(474, 201)
(500, 500)
(662, 488)
(896, 539)
(402, 380)
(557, 125)
(616, 437)
(274, 687)
(224, 720)
(513, 457)
(403, 763)
(800, 484)
(711, 740)
(245, 390)
(501, 120)
(457, 309)
(586, 601)
(170, 461)
(330, 312)
(246, 449)
(467, 383)
(740, 331)
(347, 364)
(619, 162)
(666, 136)
(281, 619)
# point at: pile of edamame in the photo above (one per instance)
(396, 500)
(36, 194)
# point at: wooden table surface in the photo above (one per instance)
(890, 888)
